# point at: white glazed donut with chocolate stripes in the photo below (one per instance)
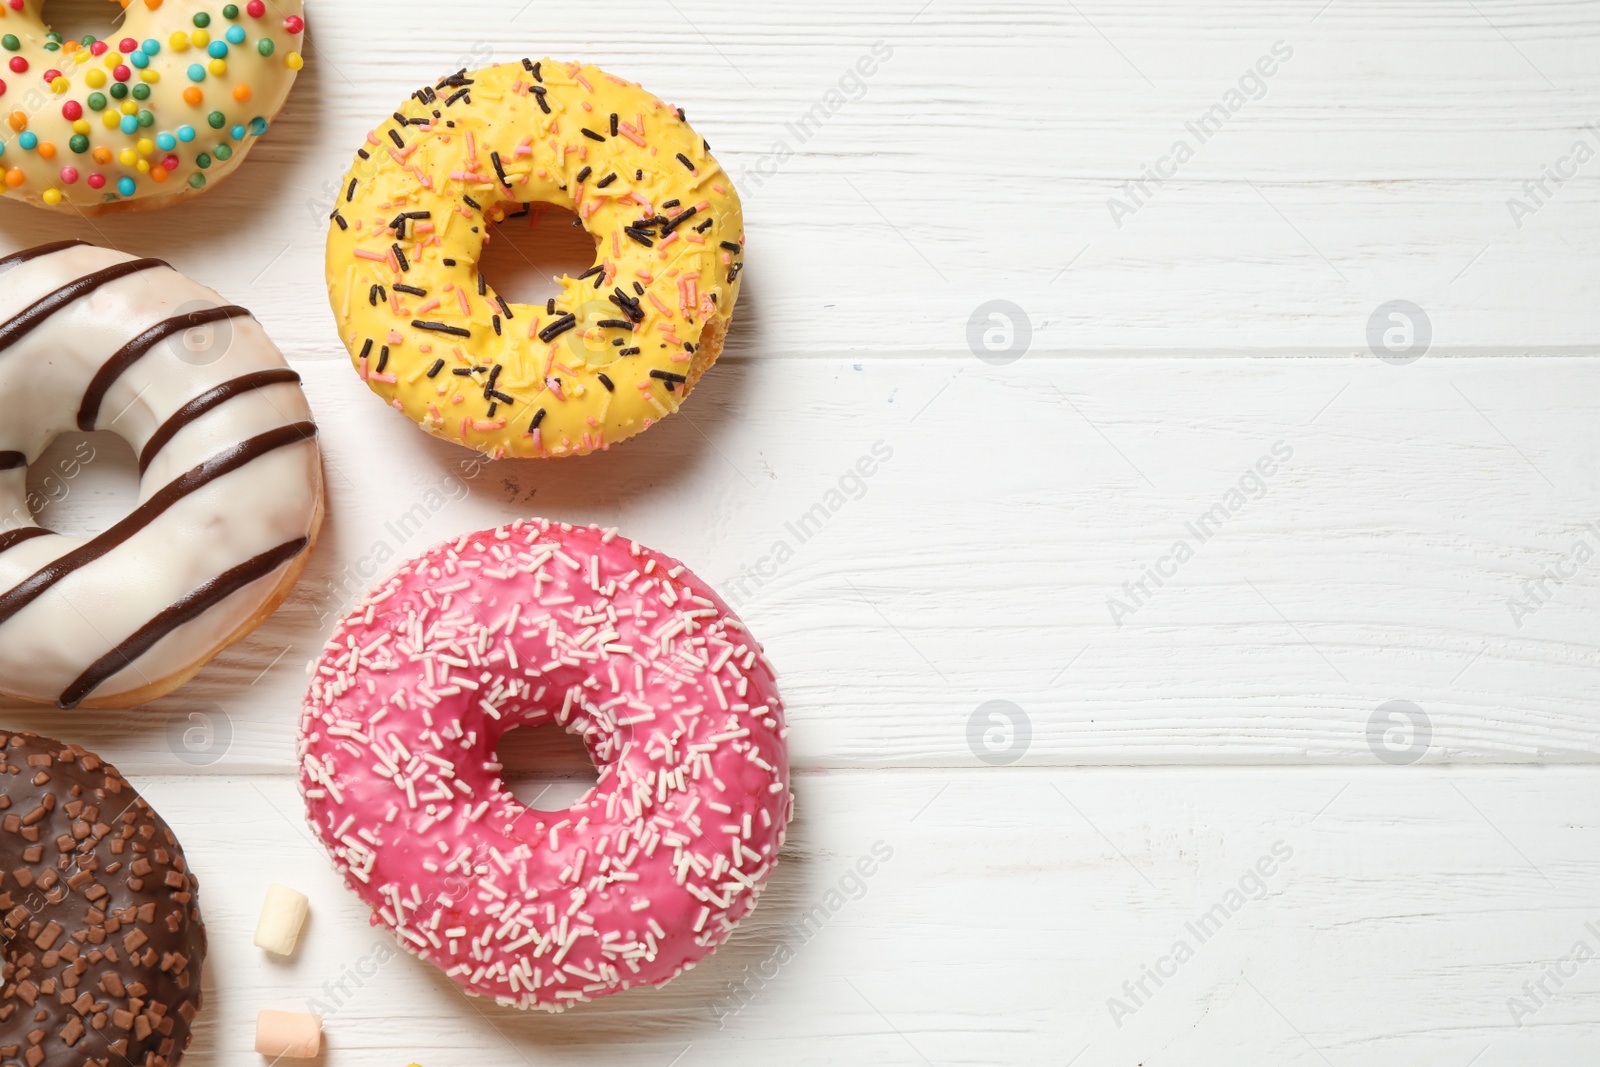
(230, 493)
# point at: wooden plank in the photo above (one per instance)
(979, 159)
(1400, 913)
(996, 554)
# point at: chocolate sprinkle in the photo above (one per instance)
(558, 327)
(104, 942)
(439, 327)
(679, 220)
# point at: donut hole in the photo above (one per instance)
(76, 19)
(83, 484)
(546, 768)
(526, 254)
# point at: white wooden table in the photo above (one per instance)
(1322, 791)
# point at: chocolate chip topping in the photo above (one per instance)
(103, 941)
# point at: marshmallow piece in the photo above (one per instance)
(289, 1034)
(283, 913)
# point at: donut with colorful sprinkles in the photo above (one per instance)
(625, 341)
(526, 625)
(158, 111)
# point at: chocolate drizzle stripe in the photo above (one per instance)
(16, 259)
(136, 349)
(207, 401)
(186, 610)
(12, 538)
(240, 455)
(10, 461)
(16, 329)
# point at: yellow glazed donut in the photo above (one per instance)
(163, 108)
(625, 341)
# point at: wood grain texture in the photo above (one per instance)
(1012, 907)
(1387, 558)
(979, 160)
(1378, 647)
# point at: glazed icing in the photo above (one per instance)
(167, 104)
(623, 343)
(230, 494)
(532, 624)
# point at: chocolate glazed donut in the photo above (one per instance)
(103, 941)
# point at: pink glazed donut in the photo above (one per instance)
(525, 625)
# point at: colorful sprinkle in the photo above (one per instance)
(115, 125)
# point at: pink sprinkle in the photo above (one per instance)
(362, 253)
(429, 306)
